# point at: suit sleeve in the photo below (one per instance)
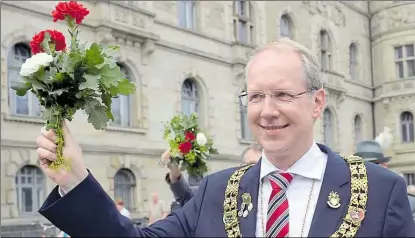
(88, 211)
(398, 219)
(181, 190)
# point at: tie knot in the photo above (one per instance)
(280, 181)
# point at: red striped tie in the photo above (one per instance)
(278, 217)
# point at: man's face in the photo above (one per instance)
(279, 125)
(154, 197)
(251, 156)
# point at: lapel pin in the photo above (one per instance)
(334, 200)
(246, 205)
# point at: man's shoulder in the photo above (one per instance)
(379, 175)
(222, 176)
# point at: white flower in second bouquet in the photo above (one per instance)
(33, 64)
(201, 139)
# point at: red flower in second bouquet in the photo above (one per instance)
(56, 37)
(190, 136)
(185, 147)
(73, 9)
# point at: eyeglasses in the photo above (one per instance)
(257, 97)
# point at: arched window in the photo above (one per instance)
(407, 127)
(27, 105)
(353, 61)
(121, 106)
(187, 14)
(358, 128)
(243, 21)
(325, 50)
(328, 127)
(245, 132)
(190, 97)
(124, 185)
(286, 26)
(30, 189)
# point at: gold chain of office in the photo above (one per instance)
(351, 222)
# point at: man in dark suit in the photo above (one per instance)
(297, 189)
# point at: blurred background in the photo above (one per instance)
(189, 56)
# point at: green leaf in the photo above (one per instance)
(20, 87)
(93, 56)
(91, 82)
(97, 114)
(124, 87)
(106, 99)
(45, 43)
(110, 77)
(36, 84)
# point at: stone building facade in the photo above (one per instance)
(187, 56)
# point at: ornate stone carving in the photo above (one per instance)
(335, 97)
(401, 17)
(147, 49)
(329, 10)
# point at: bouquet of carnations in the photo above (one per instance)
(189, 146)
(68, 79)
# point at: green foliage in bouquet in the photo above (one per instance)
(68, 80)
(189, 147)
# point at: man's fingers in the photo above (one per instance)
(45, 154)
(50, 135)
(42, 142)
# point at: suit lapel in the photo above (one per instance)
(249, 184)
(326, 219)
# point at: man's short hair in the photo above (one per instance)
(253, 146)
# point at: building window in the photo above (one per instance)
(124, 185)
(407, 127)
(121, 105)
(358, 129)
(187, 14)
(325, 50)
(245, 132)
(27, 105)
(190, 97)
(353, 61)
(405, 61)
(286, 26)
(243, 21)
(30, 185)
(409, 178)
(328, 127)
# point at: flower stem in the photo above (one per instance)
(60, 162)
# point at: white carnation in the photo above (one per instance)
(33, 64)
(201, 139)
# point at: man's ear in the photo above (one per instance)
(319, 103)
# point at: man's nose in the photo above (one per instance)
(269, 107)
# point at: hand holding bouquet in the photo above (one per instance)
(66, 80)
(189, 147)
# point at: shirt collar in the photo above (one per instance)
(310, 165)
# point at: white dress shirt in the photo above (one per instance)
(311, 165)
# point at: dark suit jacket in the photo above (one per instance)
(87, 211)
(181, 190)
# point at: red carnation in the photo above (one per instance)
(185, 147)
(72, 9)
(190, 136)
(56, 37)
